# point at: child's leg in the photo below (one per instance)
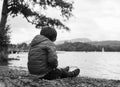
(54, 74)
(61, 73)
(65, 74)
(57, 73)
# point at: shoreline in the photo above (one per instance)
(18, 77)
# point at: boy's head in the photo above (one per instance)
(49, 32)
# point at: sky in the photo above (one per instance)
(94, 19)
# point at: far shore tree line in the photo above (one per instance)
(79, 46)
(67, 46)
(16, 48)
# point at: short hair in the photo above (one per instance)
(49, 32)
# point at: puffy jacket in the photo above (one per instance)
(42, 57)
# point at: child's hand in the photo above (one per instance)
(53, 65)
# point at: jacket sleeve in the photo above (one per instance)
(52, 57)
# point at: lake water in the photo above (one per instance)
(92, 64)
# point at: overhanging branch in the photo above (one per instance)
(30, 21)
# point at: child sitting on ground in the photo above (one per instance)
(42, 57)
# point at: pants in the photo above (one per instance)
(56, 74)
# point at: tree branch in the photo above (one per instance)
(30, 21)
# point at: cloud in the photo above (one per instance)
(96, 8)
(97, 19)
(22, 34)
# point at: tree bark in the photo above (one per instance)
(4, 15)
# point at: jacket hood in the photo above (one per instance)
(38, 39)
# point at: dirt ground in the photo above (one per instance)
(21, 78)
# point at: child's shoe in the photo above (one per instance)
(74, 73)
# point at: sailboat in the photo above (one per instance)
(103, 50)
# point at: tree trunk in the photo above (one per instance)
(3, 48)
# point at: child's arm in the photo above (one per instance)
(52, 57)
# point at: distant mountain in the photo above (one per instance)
(105, 43)
(84, 40)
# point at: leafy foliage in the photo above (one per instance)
(4, 41)
(4, 37)
(16, 7)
